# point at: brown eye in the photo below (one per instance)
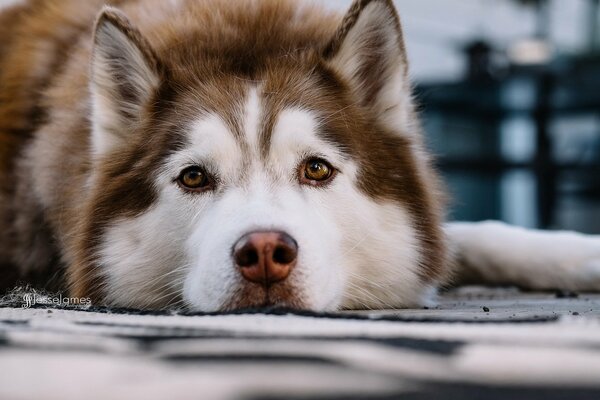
(194, 178)
(316, 171)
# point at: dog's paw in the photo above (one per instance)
(497, 253)
(565, 260)
(576, 259)
(589, 274)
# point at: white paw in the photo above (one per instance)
(503, 254)
(589, 274)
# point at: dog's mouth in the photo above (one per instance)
(278, 295)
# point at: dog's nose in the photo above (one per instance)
(265, 257)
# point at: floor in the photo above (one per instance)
(478, 343)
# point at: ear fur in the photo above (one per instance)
(124, 73)
(368, 52)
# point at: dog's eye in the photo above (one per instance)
(194, 179)
(316, 171)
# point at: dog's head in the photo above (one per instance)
(262, 155)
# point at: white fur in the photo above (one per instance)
(252, 117)
(211, 145)
(10, 3)
(500, 253)
(142, 259)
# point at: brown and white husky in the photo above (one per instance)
(218, 154)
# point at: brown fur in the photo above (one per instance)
(44, 94)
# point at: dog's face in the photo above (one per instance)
(293, 178)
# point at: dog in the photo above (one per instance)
(217, 155)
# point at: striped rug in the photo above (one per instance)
(476, 344)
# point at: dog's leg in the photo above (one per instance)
(496, 253)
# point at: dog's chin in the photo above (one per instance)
(251, 296)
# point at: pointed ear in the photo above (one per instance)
(368, 52)
(125, 72)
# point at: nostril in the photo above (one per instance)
(265, 257)
(246, 256)
(284, 255)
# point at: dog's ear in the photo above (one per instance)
(368, 52)
(124, 74)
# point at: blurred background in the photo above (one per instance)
(509, 92)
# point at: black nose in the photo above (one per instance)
(265, 257)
